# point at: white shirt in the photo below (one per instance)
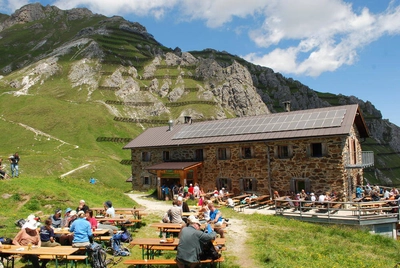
(321, 198)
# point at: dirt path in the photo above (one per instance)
(236, 236)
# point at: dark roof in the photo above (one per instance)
(163, 136)
(174, 165)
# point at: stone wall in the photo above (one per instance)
(324, 174)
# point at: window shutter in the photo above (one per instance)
(218, 183)
(324, 149)
(254, 184)
(290, 150)
(276, 153)
(229, 184)
(241, 186)
(308, 186)
(308, 150)
(228, 153)
(292, 185)
(142, 179)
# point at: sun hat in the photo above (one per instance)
(32, 225)
(180, 198)
(82, 201)
(57, 211)
(68, 210)
(73, 213)
(312, 194)
(193, 219)
(81, 212)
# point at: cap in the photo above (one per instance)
(73, 213)
(68, 210)
(57, 211)
(180, 198)
(193, 219)
(312, 194)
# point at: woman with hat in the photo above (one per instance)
(29, 235)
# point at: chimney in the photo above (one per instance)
(188, 119)
(170, 124)
(287, 106)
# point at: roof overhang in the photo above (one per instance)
(174, 165)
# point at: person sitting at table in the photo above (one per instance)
(66, 239)
(56, 221)
(201, 201)
(65, 220)
(29, 236)
(82, 206)
(303, 195)
(47, 236)
(82, 231)
(276, 195)
(110, 212)
(191, 239)
(175, 213)
(313, 198)
(92, 220)
(216, 219)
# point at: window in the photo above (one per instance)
(224, 183)
(224, 154)
(317, 150)
(198, 155)
(283, 151)
(145, 156)
(146, 180)
(166, 156)
(246, 152)
(248, 185)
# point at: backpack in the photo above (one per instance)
(208, 252)
(97, 255)
(117, 247)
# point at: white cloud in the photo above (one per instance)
(328, 33)
(10, 6)
(155, 8)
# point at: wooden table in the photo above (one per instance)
(240, 197)
(167, 227)
(66, 231)
(62, 251)
(148, 244)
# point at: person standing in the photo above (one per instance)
(190, 240)
(14, 161)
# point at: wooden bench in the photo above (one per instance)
(241, 207)
(265, 203)
(151, 262)
(103, 239)
(72, 258)
(156, 250)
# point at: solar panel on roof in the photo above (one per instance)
(269, 123)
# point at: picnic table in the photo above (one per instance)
(240, 197)
(149, 245)
(167, 227)
(66, 231)
(60, 251)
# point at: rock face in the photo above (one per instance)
(34, 12)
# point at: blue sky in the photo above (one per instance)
(337, 46)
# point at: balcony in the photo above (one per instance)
(367, 160)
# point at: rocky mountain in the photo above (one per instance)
(119, 64)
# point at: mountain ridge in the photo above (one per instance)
(113, 60)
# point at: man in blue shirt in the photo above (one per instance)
(82, 231)
(216, 219)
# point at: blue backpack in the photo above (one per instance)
(117, 247)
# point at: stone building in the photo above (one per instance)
(318, 150)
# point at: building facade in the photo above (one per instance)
(318, 150)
